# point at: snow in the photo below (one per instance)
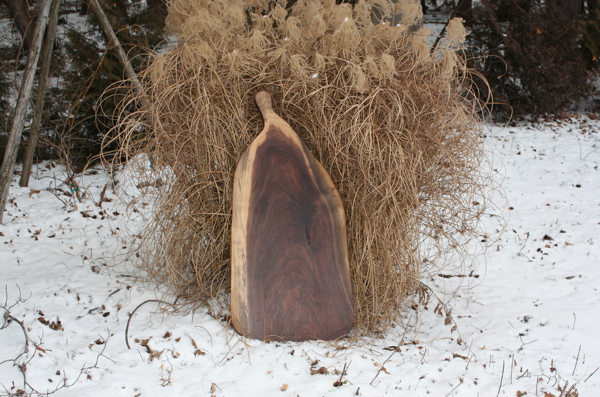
(527, 324)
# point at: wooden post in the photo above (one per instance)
(45, 59)
(10, 155)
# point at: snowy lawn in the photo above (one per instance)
(530, 324)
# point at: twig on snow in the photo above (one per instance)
(102, 195)
(586, 379)
(340, 382)
(501, 379)
(395, 350)
(455, 387)
(448, 311)
(133, 312)
(526, 373)
(576, 361)
(8, 319)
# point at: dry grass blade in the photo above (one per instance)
(395, 127)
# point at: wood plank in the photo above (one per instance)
(290, 273)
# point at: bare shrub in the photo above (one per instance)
(393, 125)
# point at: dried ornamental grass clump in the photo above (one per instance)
(391, 123)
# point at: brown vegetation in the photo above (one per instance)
(391, 123)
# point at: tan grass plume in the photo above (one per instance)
(395, 127)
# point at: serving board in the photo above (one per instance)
(290, 273)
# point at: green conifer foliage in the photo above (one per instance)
(94, 69)
(4, 93)
(591, 35)
(530, 54)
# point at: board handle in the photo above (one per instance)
(263, 100)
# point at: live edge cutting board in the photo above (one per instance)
(290, 275)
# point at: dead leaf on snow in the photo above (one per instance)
(145, 344)
(284, 387)
(197, 352)
(57, 326)
(321, 371)
(154, 354)
(448, 318)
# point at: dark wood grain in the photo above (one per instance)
(295, 283)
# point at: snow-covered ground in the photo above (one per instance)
(529, 324)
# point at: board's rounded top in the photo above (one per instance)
(263, 100)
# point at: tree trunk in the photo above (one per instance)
(19, 12)
(464, 10)
(45, 59)
(113, 41)
(12, 146)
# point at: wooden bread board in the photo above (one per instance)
(290, 273)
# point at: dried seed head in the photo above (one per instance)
(411, 12)
(317, 27)
(157, 69)
(257, 41)
(359, 80)
(313, 8)
(279, 54)
(279, 14)
(448, 65)
(419, 45)
(362, 13)
(291, 29)
(234, 16)
(370, 67)
(298, 64)
(387, 66)
(456, 34)
(264, 23)
(319, 62)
